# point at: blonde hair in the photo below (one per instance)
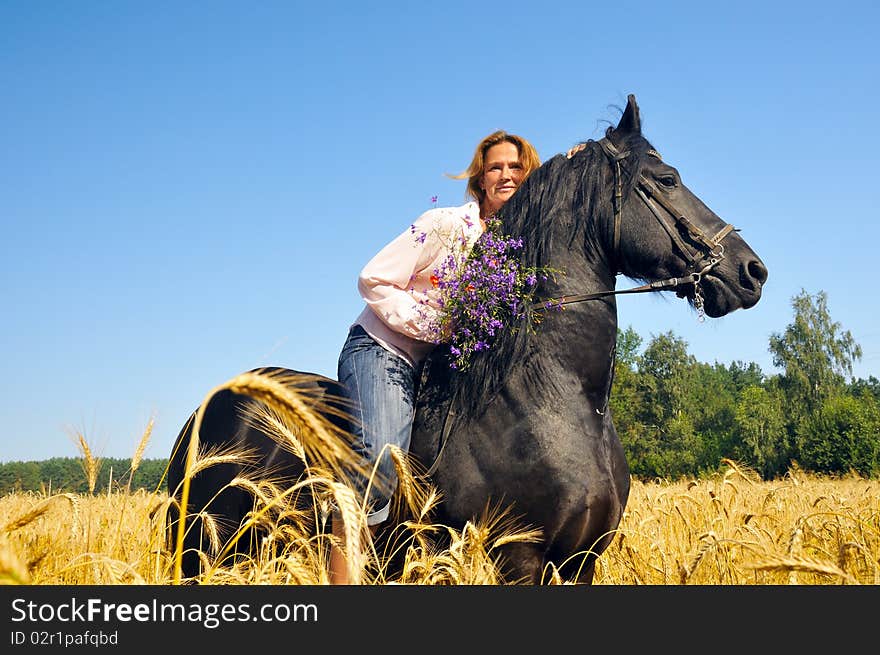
(528, 157)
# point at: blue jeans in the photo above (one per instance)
(382, 385)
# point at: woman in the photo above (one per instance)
(381, 359)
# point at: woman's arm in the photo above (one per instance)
(395, 283)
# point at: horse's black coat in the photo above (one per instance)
(530, 427)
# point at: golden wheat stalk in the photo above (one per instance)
(141, 447)
(747, 474)
(267, 420)
(709, 540)
(24, 519)
(41, 509)
(12, 570)
(348, 510)
(260, 514)
(288, 395)
(249, 485)
(411, 487)
(91, 465)
(801, 563)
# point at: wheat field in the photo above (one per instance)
(734, 529)
(729, 529)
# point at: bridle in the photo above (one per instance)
(709, 253)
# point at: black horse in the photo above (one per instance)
(528, 426)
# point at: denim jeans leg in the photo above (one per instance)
(381, 385)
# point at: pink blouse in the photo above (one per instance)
(396, 283)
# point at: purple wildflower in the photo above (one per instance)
(481, 294)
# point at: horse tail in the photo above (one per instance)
(271, 421)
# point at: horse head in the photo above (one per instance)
(662, 231)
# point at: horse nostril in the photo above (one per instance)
(757, 271)
(753, 275)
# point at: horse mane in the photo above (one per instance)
(563, 197)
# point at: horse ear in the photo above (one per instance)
(630, 121)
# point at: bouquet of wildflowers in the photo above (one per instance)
(482, 293)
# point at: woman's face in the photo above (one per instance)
(502, 175)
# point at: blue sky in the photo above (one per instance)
(188, 190)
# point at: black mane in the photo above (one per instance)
(563, 198)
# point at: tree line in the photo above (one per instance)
(679, 417)
(675, 416)
(66, 474)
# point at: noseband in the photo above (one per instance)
(709, 253)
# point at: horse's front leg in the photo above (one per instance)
(521, 563)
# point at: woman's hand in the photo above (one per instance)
(575, 149)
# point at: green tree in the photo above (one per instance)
(150, 475)
(668, 446)
(762, 440)
(628, 345)
(21, 476)
(66, 474)
(710, 402)
(871, 387)
(56, 473)
(842, 435)
(667, 367)
(626, 398)
(815, 353)
(744, 375)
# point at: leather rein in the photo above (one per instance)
(710, 249)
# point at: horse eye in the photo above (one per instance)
(668, 181)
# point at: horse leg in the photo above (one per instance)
(189, 560)
(584, 572)
(526, 564)
(521, 564)
(213, 514)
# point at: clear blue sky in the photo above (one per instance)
(188, 190)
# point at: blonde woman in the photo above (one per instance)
(387, 343)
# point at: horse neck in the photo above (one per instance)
(579, 340)
(581, 337)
